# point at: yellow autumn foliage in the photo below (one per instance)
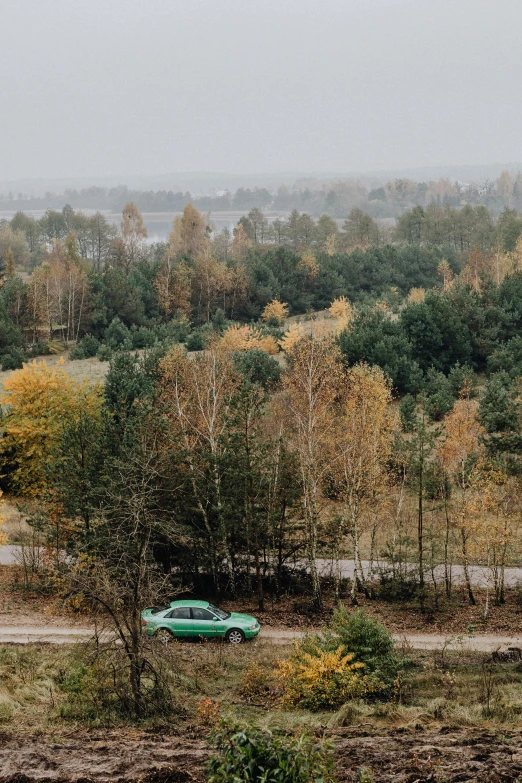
(309, 264)
(291, 337)
(342, 311)
(320, 679)
(275, 310)
(416, 295)
(247, 338)
(40, 399)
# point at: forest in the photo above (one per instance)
(292, 400)
(272, 407)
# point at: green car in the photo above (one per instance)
(193, 619)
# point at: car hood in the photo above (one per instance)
(241, 618)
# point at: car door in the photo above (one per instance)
(180, 622)
(204, 622)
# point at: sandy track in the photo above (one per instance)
(56, 632)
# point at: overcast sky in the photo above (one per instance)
(105, 87)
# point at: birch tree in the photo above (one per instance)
(314, 386)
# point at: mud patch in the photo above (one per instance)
(413, 756)
(417, 756)
(133, 757)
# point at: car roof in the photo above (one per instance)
(190, 602)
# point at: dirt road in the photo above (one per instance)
(480, 576)
(55, 631)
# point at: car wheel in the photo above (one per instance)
(235, 636)
(163, 635)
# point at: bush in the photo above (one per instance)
(368, 639)
(258, 367)
(104, 353)
(142, 337)
(12, 360)
(117, 335)
(76, 353)
(398, 587)
(370, 643)
(99, 690)
(248, 755)
(255, 684)
(321, 679)
(197, 340)
(85, 349)
(439, 395)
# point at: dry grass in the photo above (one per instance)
(14, 523)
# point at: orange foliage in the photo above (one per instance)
(40, 400)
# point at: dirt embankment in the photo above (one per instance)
(416, 756)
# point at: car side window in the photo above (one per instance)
(181, 613)
(201, 614)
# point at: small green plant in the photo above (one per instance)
(250, 755)
(365, 775)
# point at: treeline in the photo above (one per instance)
(335, 198)
(455, 230)
(77, 279)
(89, 280)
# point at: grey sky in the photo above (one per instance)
(105, 87)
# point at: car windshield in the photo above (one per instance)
(219, 612)
(157, 610)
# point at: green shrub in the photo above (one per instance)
(370, 642)
(439, 395)
(104, 353)
(99, 691)
(117, 335)
(76, 353)
(398, 587)
(198, 338)
(367, 638)
(249, 755)
(142, 337)
(12, 360)
(258, 367)
(85, 349)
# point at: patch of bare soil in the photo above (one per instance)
(448, 756)
(102, 756)
(416, 756)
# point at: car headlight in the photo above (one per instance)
(252, 627)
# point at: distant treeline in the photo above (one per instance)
(335, 198)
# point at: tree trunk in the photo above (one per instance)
(466, 567)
